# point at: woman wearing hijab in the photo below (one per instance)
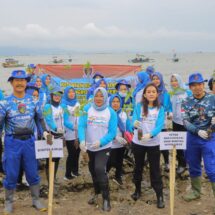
(46, 85)
(164, 99)
(143, 80)
(33, 91)
(150, 70)
(100, 83)
(70, 104)
(96, 131)
(211, 85)
(118, 146)
(42, 94)
(122, 88)
(96, 77)
(178, 93)
(53, 115)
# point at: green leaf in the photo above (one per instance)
(87, 65)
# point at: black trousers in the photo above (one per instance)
(180, 153)
(165, 154)
(72, 162)
(1, 151)
(116, 160)
(97, 167)
(55, 160)
(153, 153)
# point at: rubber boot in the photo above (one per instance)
(56, 188)
(160, 201)
(136, 195)
(213, 188)
(8, 205)
(56, 168)
(35, 191)
(93, 199)
(195, 192)
(106, 197)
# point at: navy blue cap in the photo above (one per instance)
(32, 85)
(122, 82)
(19, 74)
(196, 78)
(32, 66)
(150, 70)
(98, 74)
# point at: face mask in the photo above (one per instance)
(35, 98)
(97, 79)
(123, 94)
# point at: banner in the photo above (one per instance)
(73, 75)
(76, 71)
(82, 85)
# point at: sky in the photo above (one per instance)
(109, 25)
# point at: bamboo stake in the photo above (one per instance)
(172, 180)
(51, 183)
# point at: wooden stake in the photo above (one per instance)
(172, 180)
(51, 183)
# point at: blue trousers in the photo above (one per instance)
(198, 148)
(16, 153)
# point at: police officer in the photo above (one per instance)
(198, 113)
(19, 113)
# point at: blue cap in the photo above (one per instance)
(150, 70)
(32, 66)
(56, 90)
(122, 82)
(32, 85)
(19, 74)
(196, 78)
(98, 74)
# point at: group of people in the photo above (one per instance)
(35, 110)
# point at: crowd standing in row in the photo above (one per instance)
(37, 111)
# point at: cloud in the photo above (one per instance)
(29, 31)
(69, 36)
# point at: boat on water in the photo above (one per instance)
(57, 60)
(70, 59)
(10, 62)
(140, 59)
(175, 58)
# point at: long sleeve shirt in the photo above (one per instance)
(20, 115)
(197, 113)
(152, 124)
(97, 126)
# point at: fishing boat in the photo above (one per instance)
(69, 59)
(56, 60)
(140, 59)
(10, 62)
(175, 58)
